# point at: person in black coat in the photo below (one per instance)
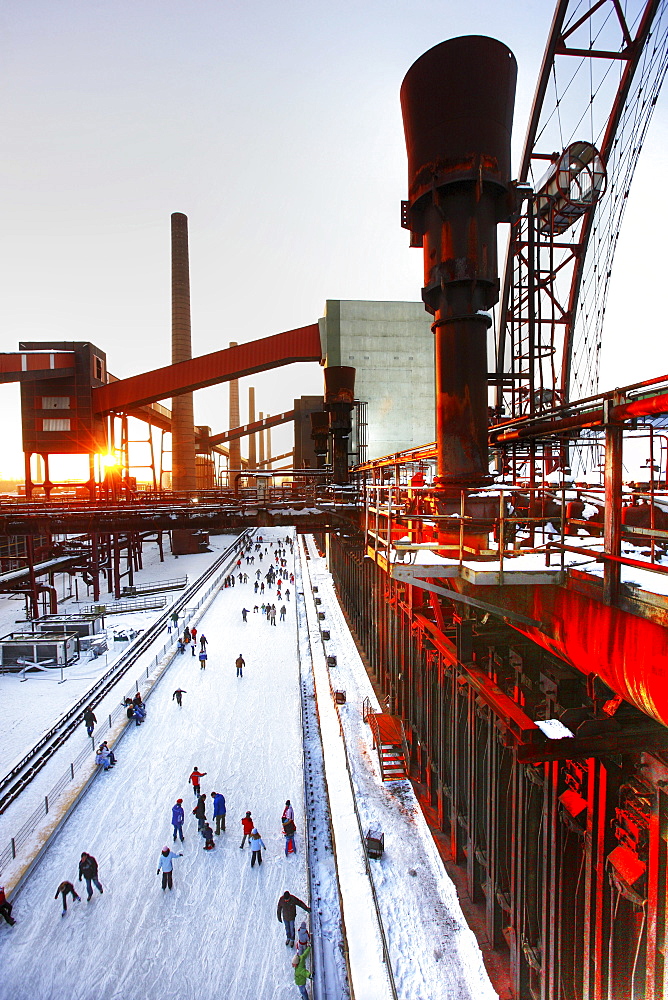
(286, 911)
(89, 720)
(200, 812)
(88, 871)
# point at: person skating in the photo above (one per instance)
(202, 659)
(65, 889)
(284, 611)
(247, 825)
(194, 779)
(286, 911)
(241, 663)
(178, 694)
(302, 975)
(288, 812)
(89, 720)
(257, 846)
(203, 641)
(6, 907)
(200, 812)
(207, 833)
(178, 817)
(219, 811)
(88, 871)
(166, 866)
(303, 938)
(289, 831)
(244, 614)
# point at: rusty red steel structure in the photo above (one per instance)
(302, 344)
(245, 430)
(457, 102)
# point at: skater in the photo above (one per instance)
(207, 833)
(186, 635)
(257, 846)
(88, 871)
(247, 825)
(166, 866)
(175, 618)
(65, 889)
(89, 720)
(289, 831)
(203, 641)
(241, 663)
(283, 612)
(200, 812)
(177, 819)
(202, 658)
(255, 609)
(287, 593)
(286, 911)
(256, 587)
(178, 694)
(219, 811)
(193, 635)
(6, 907)
(288, 812)
(303, 938)
(244, 614)
(194, 779)
(302, 974)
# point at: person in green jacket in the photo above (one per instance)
(302, 973)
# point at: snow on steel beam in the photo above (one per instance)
(286, 348)
(257, 425)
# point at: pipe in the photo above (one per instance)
(457, 104)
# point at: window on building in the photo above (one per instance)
(55, 425)
(55, 402)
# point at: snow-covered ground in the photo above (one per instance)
(216, 934)
(29, 709)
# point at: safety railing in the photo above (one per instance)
(501, 524)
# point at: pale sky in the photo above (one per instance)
(276, 129)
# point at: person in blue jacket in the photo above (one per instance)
(166, 866)
(177, 819)
(257, 846)
(219, 811)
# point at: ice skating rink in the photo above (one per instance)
(216, 934)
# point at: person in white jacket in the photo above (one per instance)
(257, 846)
(166, 866)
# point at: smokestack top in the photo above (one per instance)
(457, 103)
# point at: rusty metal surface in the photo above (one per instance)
(457, 103)
(302, 344)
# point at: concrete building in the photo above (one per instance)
(391, 346)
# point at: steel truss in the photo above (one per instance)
(601, 75)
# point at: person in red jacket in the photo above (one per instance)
(6, 907)
(194, 779)
(247, 823)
